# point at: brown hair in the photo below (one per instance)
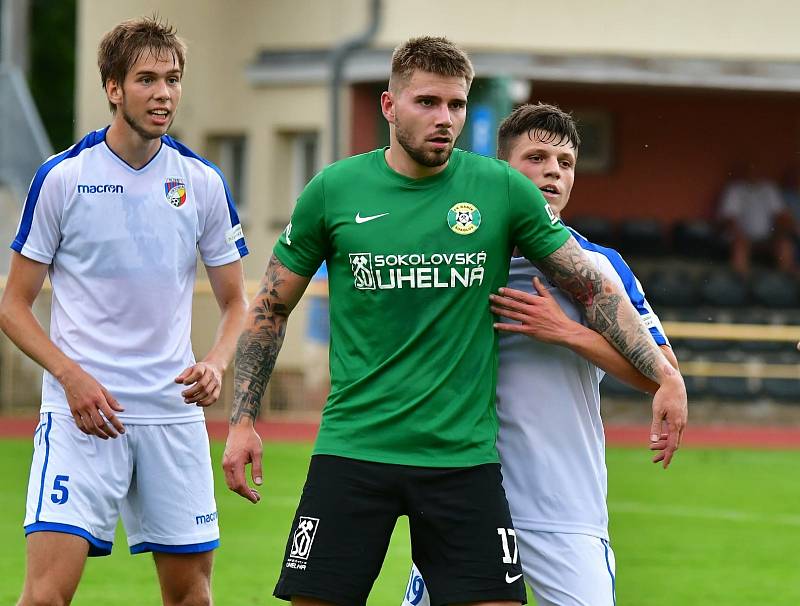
(124, 45)
(547, 123)
(432, 54)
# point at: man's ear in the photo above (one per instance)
(387, 106)
(113, 92)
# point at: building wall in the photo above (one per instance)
(225, 38)
(681, 28)
(673, 150)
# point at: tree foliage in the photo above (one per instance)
(52, 67)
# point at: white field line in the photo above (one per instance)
(728, 515)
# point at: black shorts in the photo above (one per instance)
(462, 539)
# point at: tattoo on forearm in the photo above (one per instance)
(607, 310)
(259, 344)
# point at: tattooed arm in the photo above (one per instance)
(256, 353)
(262, 337)
(609, 312)
(540, 317)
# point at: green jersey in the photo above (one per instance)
(411, 264)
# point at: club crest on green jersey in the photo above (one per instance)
(464, 218)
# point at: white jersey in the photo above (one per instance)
(551, 441)
(753, 205)
(122, 248)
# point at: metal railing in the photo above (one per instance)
(754, 369)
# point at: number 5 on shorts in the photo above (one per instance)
(60, 492)
(504, 534)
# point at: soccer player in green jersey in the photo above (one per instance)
(416, 236)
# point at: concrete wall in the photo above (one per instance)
(646, 28)
(223, 38)
(682, 28)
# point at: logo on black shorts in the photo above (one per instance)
(302, 539)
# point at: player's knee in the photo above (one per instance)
(44, 595)
(198, 594)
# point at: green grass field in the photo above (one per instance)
(721, 528)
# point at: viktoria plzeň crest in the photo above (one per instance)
(464, 218)
(175, 191)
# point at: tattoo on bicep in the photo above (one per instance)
(259, 344)
(608, 311)
(570, 270)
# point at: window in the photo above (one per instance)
(305, 161)
(596, 152)
(229, 153)
(296, 163)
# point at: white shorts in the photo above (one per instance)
(562, 570)
(158, 477)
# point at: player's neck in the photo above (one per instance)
(400, 162)
(131, 147)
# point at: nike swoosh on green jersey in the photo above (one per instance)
(360, 219)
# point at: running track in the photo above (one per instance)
(724, 436)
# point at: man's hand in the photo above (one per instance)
(670, 415)
(609, 311)
(243, 447)
(658, 447)
(540, 317)
(206, 384)
(92, 405)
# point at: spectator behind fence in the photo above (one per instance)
(754, 216)
(790, 192)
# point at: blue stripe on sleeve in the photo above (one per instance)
(626, 275)
(88, 141)
(185, 151)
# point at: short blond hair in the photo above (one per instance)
(436, 55)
